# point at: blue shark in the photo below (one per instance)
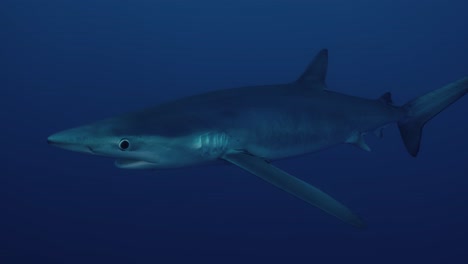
(252, 126)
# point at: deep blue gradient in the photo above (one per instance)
(65, 63)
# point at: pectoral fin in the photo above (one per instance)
(294, 186)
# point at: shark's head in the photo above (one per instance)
(133, 144)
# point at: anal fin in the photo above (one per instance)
(294, 186)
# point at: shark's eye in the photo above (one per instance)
(124, 144)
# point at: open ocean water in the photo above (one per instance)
(66, 63)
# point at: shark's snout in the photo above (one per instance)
(62, 138)
(69, 140)
(55, 140)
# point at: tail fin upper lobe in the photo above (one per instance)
(424, 108)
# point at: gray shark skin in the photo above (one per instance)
(251, 126)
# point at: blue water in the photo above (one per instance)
(65, 63)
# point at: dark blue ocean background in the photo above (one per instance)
(66, 63)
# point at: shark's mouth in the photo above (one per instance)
(134, 164)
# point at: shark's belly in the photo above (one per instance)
(281, 129)
(291, 136)
(292, 146)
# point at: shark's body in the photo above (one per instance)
(251, 126)
(271, 122)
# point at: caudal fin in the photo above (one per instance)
(424, 108)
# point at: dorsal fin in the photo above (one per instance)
(386, 98)
(316, 72)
